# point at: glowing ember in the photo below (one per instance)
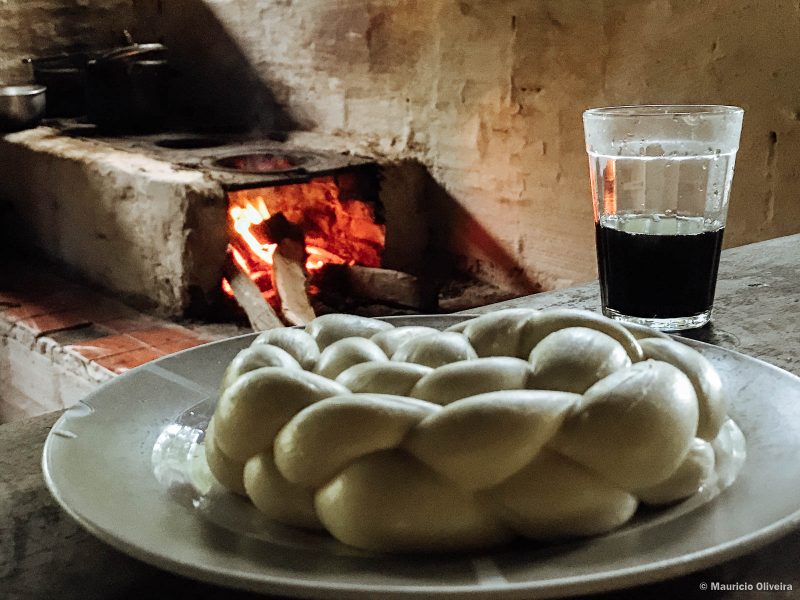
(334, 230)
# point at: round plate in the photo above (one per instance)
(98, 464)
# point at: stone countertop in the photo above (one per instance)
(45, 554)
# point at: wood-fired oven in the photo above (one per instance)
(167, 220)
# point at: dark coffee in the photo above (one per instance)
(657, 275)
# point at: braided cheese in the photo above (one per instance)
(345, 353)
(706, 381)
(542, 424)
(395, 378)
(257, 356)
(574, 358)
(298, 343)
(389, 340)
(435, 349)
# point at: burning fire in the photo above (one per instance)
(246, 217)
(333, 230)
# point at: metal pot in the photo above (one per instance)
(133, 51)
(21, 106)
(66, 90)
(64, 75)
(127, 89)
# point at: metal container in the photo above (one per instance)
(127, 89)
(21, 106)
(64, 75)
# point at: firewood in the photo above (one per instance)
(261, 232)
(258, 311)
(289, 280)
(278, 227)
(241, 247)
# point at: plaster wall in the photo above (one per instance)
(488, 95)
(34, 28)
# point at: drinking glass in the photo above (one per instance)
(661, 179)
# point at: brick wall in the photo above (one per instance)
(488, 95)
(30, 28)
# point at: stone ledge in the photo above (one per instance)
(142, 227)
(59, 340)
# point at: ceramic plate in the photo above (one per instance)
(122, 463)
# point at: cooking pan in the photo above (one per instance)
(64, 75)
(21, 106)
(127, 88)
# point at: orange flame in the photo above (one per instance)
(244, 217)
(317, 202)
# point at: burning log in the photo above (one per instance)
(289, 280)
(276, 228)
(380, 285)
(244, 253)
(258, 311)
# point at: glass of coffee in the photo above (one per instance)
(661, 178)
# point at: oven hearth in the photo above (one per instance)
(151, 218)
(139, 216)
(236, 161)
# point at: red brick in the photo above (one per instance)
(106, 346)
(178, 345)
(58, 321)
(24, 311)
(127, 324)
(119, 363)
(159, 337)
(102, 311)
(63, 300)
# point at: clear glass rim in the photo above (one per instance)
(662, 110)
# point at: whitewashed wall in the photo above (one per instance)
(486, 94)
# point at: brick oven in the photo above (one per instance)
(157, 218)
